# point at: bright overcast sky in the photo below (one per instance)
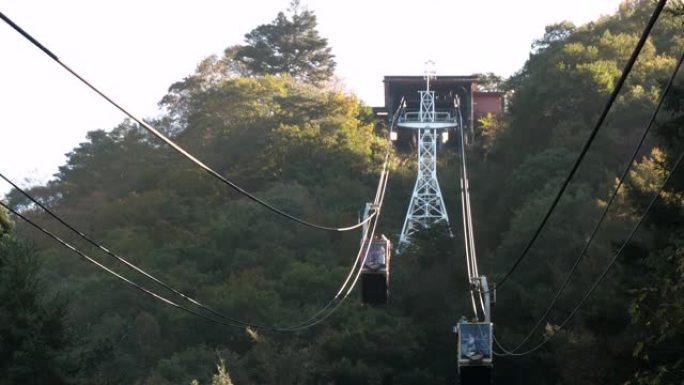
(134, 49)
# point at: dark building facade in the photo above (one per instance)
(474, 103)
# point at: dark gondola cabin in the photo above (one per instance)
(475, 353)
(375, 271)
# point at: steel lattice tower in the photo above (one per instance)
(427, 205)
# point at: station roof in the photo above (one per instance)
(445, 88)
(442, 79)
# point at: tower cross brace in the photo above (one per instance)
(426, 207)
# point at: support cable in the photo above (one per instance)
(227, 321)
(623, 177)
(471, 260)
(471, 233)
(336, 302)
(504, 351)
(350, 289)
(379, 199)
(114, 255)
(224, 320)
(171, 143)
(610, 264)
(115, 274)
(628, 68)
(465, 225)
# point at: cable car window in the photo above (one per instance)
(475, 340)
(377, 254)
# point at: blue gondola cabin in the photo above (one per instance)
(475, 353)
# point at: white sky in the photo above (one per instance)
(135, 49)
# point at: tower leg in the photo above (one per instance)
(427, 204)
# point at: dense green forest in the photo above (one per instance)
(272, 123)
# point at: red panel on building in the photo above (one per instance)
(488, 103)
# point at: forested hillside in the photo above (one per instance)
(274, 125)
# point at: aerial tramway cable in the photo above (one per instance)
(224, 320)
(468, 238)
(365, 248)
(628, 68)
(603, 215)
(171, 143)
(378, 202)
(610, 264)
(605, 272)
(112, 272)
(110, 253)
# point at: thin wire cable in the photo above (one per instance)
(330, 303)
(469, 236)
(623, 177)
(378, 202)
(336, 301)
(590, 139)
(232, 321)
(382, 184)
(228, 321)
(467, 250)
(464, 209)
(117, 257)
(171, 143)
(470, 262)
(115, 274)
(612, 262)
(465, 225)
(351, 288)
(471, 232)
(503, 349)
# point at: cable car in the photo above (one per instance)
(375, 272)
(475, 362)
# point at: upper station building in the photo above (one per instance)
(474, 103)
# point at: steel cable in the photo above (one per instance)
(603, 215)
(171, 143)
(627, 69)
(603, 275)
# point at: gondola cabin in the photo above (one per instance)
(375, 271)
(475, 353)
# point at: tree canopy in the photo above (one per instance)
(291, 45)
(316, 153)
(34, 338)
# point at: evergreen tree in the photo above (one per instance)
(657, 308)
(32, 332)
(288, 45)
